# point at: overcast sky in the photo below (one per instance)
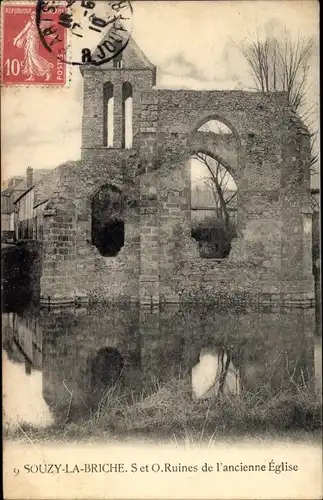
(192, 44)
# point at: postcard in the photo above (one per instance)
(160, 207)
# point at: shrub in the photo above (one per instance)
(214, 237)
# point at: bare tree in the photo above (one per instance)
(281, 65)
(284, 65)
(218, 176)
(218, 180)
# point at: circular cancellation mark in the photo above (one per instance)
(97, 31)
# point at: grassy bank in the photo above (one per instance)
(171, 409)
(169, 412)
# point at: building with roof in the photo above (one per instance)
(7, 196)
(116, 225)
(17, 204)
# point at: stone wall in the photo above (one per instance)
(268, 155)
(93, 112)
(73, 267)
(5, 223)
(266, 148)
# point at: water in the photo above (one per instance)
(59, 363)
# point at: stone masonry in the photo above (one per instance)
(267, 154)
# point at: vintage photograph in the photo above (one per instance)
(160, 246)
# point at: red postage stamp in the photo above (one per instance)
(24, 59)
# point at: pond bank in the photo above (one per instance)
(169, 412)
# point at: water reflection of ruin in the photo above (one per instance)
(85, 352)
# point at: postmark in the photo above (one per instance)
(25, 61)
(98, 31)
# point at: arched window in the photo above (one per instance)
(108, 115)
(127, 106)
(107, 221)
(213, 190)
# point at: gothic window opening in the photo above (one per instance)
(107, 221)
(108, 115)
(127, 111)
(213, 190)
(213, 207)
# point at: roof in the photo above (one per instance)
(21, 189)
(132, 55)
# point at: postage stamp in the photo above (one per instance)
(98, 31)
(25, 60)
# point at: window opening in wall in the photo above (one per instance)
(214, 192)
(217, 127)
(117, 60)
(108, 111)
(127, 111)
(117, 64)
(213, 207)
(107, 221)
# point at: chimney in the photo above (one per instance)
(29, 177)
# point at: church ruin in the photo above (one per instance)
(117, 225)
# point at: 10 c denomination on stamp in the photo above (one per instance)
(25, 61)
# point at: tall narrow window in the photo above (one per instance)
(108, 115)
(117, 59)
(127, 115)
